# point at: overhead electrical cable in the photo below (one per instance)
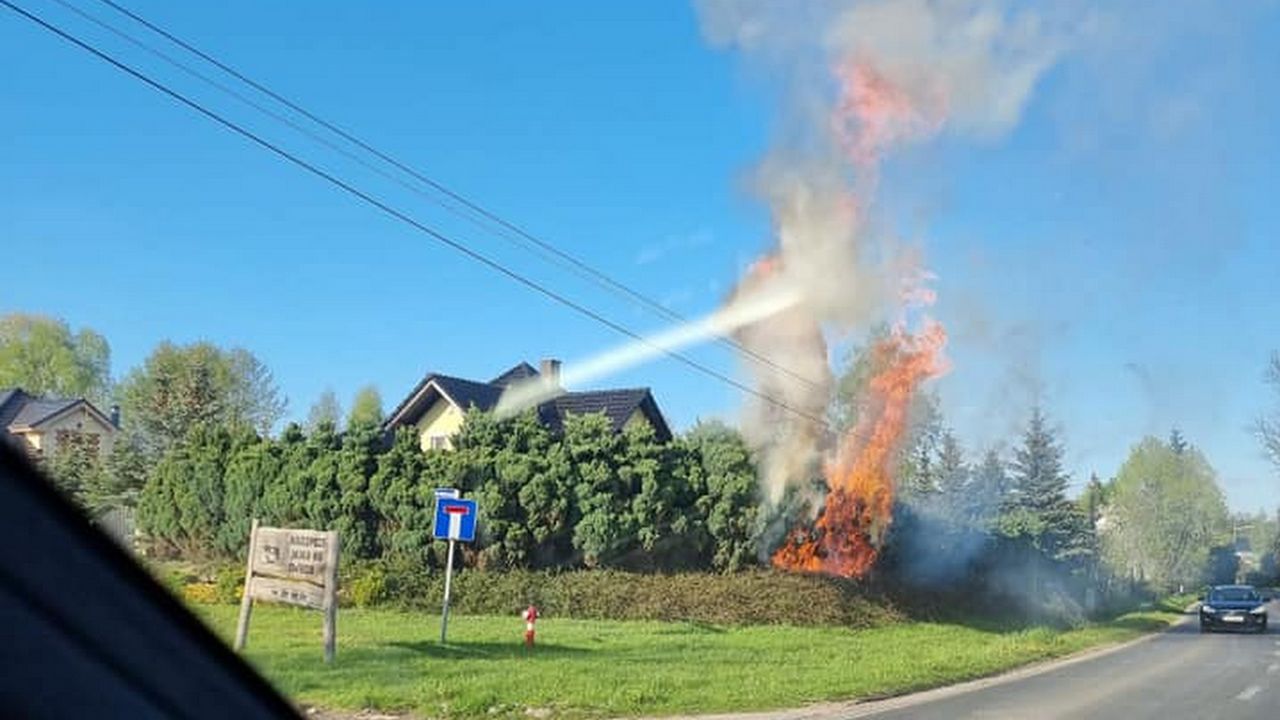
(463, 206)
(395, 213)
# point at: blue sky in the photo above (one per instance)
(1112, 256)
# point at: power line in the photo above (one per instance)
(279, 117)
(545, 249)
(397, 214)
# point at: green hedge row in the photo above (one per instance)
(746, 598)
(586, 497)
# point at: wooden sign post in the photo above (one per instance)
(297, 567)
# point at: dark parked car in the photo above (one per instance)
(1233, 607)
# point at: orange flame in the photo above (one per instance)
(850, 529)
(873, 114)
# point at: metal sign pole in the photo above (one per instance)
(448, 582)
(456, 522)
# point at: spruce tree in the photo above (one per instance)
(1039, 484)
(988, 490)
(953, 479)
(1037, 507)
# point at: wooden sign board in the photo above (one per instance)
(291, 554)
(297, 567)
(283, 591)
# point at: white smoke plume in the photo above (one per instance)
(860, 80)
(776, 299)
(973, 61)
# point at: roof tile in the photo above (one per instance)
(11, 402)
(468, 392)
(523, 371)
(36, 410)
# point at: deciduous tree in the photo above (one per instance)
(860, 364)
(366, 408)
(1166, 512)
(1269, 424)
(1094, 500)
(181, 386)
(44, 357)
(919, 475)
(325, 410)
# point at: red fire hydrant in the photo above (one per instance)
(530, 616)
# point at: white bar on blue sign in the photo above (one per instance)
(455, 526)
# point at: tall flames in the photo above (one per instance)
(846, 537)
(872, 116)
(866, 78)
(862, 79)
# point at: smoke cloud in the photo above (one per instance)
(860, 81)
(972, 61)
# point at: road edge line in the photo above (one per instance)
(871, 705)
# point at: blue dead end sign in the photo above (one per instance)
(455, 519)
(455, 522)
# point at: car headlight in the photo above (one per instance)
(1260, 610)
(1207, 609)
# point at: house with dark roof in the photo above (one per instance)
(435, 408)
(39, 424)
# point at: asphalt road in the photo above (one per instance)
(1177, 674)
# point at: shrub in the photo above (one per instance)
(200, 593)
(586, 497)
(229, 583)
(174, 579)
(365, 586)
(753, 598)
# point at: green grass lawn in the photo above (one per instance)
(392, 661)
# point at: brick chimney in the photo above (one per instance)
(550, 371)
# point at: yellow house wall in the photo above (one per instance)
(34, 440)
(443, 420)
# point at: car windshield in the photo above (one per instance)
(564, 359)
(1233, 595)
